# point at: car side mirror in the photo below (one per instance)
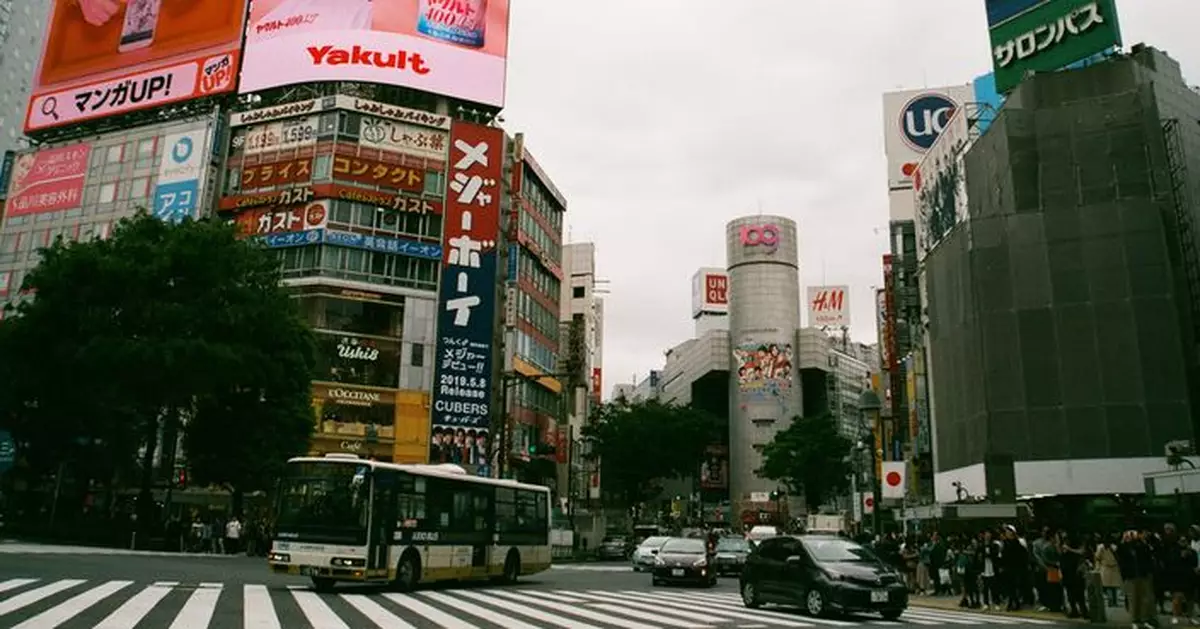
(654, 551)
(795, 560)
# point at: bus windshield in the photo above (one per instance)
(324, 502)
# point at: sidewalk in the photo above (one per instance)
(950, 603)
(15, 547)
(1113, 615)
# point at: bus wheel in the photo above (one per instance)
(322, 584)
(512, 567)
(408, 572)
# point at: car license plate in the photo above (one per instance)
(879, 596)
(678, 572)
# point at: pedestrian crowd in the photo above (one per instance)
(1145, 571)
(215, 533)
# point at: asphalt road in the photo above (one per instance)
(46, 587)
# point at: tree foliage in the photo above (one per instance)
(160, 329)
(638, 444)
(809, 457)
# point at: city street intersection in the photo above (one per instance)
(54, 587)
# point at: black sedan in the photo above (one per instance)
(684, 560)
(822, 575)
(731, 555)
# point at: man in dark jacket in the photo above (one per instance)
(1014, 561)
(1136, 562)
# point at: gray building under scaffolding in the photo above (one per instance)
(1063, 312)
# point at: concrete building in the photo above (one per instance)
(1062, 312)
(764, 315)
(832, 375)
(22, 28)
(582, 332)
(648, 388)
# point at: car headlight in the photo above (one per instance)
(701, 562)
(833, 576)
(346, 562)
(279, 557)
(659, 562)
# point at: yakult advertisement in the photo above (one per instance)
(108, 57)
(455, 48)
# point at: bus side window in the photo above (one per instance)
(482, 497)
(506, 511)
(462, 519)
(439, 502)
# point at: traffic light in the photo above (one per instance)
(541, 449)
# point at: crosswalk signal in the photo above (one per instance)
(541, 449)
(181, 478)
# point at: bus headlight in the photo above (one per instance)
(346, 562)
(279, 558)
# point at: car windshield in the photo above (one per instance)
(733, 545)
(683, 547)
(837, 550)
(654, 542)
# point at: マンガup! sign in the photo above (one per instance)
(467, 304)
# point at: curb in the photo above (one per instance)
(1032, 615)
(25, 548)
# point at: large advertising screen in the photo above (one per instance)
(107, 57)
(1050, 37)
(462, 370)
(455, 48)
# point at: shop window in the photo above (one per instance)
(5, 278)
(114, 154)
(417, 356)
(357, 360)
(434, 183)
(139, 188)
(323, 168)
(361, 317)
(579, 292)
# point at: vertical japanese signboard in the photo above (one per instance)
(1051, 36)
(177, 193)
(467, 301)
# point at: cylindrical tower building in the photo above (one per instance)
(764, 315)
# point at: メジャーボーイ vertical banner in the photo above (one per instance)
(98, 62)
(462, 388)
(180, 170)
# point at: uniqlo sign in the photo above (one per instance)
(462, 388)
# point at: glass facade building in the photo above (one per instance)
(1060, 314)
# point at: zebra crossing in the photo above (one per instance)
(27, 603)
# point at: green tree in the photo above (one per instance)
(134, 336)
(810, 457)
(641, 443)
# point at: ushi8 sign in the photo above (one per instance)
(462, 391)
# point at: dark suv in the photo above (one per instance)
(823, 575)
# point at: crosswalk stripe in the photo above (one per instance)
(317, 612)
(576, 611)
(684, 614)
(13, 584)
(717, 612)
(129, 614)
(656, 618)
(919, 621)
(508, 622)
(198, 611)
(72, 607)
(431, 614)
(259, 611)
(573, 597)
(528, 612)
(10, 605)
(913, 615)
(719, 604)
(377, 613)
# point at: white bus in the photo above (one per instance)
(342, 518)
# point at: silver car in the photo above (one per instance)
(643, 555)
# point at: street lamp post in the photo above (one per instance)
(869, 405)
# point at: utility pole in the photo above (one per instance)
(507, 380)
(870, 405)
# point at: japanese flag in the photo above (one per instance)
(893, 479)
(867, 502)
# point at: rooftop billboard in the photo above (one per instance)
(912, 122)
(455, 48)
(102, 57)
(1052, 36)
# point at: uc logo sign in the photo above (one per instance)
(182, 150)
(761, 236)
(924, 118)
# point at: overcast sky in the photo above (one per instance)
(661, 121)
